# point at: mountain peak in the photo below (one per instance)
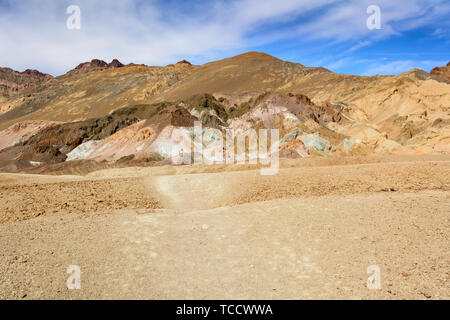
(255, 55)
(115, 64)
(184, 62)
(95, 64)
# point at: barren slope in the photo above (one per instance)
(443, 72)
(314, 240)
(97, 93)
(12, 82)
(116, 112)
(83, 96)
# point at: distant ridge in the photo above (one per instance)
(95, 65)
(443, 72)
(12, 82)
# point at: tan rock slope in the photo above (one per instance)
(114, 112)
(13, 82)
(443, 72)
(94, 65)
(82, 94)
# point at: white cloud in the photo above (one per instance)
(338, 64)
(400, 66)
(440, 33)
(347, 20)
(33, 33)
(130, 30)
(359, 45)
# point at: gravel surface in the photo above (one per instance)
(304, 233)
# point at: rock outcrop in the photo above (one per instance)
(95, 65)
(443, 72)
(12, 82)
(114, 112)
(115, 64)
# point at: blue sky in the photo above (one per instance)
(328, 33)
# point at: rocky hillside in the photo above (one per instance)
(13, 82)
(112, 112)
(90, 90)
(95, 65)
(443, 72)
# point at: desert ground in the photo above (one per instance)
(226, 232)
(91, 153)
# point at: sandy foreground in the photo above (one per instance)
(309, 232)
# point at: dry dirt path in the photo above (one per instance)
(313, 247)
(212, 190)
(314, 236)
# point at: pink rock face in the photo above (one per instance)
(173, 142)
(21, 131)
(286, 111)
(133, 140)
(294, 149)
